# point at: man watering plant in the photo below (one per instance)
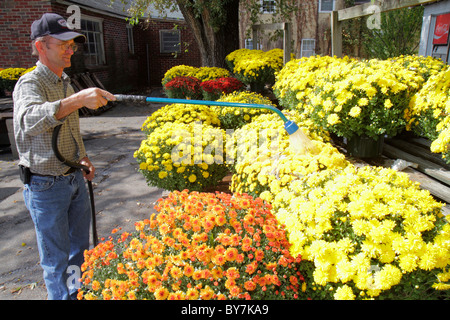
(55, 193)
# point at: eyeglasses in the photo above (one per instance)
(65, 46)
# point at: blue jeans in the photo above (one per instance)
(60, 209)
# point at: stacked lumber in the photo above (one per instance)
(429, 169)
(86, 80)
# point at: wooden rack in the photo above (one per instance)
(429, 169)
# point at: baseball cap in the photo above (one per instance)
(54, 25)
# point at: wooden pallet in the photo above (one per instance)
(429, 169)
(86, 80)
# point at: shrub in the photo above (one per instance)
(197, 246)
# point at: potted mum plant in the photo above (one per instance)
(179, 71)
(183, 88)
(214, 89)
(255, 68)
(362, 101)
(178, 156)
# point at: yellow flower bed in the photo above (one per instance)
(350, 97)
(351, 221)
(12, 73)
(211, 73)
(264, 161)
(178, 71)
(232, 117)
(429, 112)
(295, 83)
(180, 113)
(202, 73)
(9, 77)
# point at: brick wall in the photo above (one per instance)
(148, 49)
(16, 17)
(122, 71)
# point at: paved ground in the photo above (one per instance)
(121, 196)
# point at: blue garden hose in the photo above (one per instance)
(290, 126)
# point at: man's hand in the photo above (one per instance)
(86, 162)
(92, 98)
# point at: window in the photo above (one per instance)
(130, 39)
(169, 41)
(249, 44)
(94, 52)
(308, 47)
(268, 6)
(326, 5)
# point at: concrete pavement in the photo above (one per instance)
(122, 196)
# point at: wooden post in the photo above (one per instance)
(336, 35)
(275, 26)
(287, 43)
(255, 38)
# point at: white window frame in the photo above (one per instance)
(269, 3)
(322, 10)
(130, 38)
(176, 46)
(306, 49)
(98, 41)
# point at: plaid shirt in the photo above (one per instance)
(37, 97)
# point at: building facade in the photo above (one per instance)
(310, 26)
(122, 56)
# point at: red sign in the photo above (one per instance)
(441, 29)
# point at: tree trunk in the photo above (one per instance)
(214, 45)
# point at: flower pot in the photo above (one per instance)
(257, 87)
(365, 147)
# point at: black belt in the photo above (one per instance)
(68, 172)
(25, 174)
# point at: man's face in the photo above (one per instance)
(59, 53)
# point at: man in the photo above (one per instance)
(55, 194)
